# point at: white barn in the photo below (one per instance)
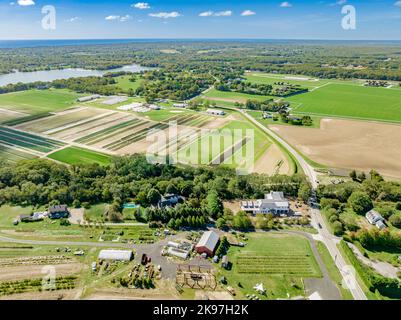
(116, 255)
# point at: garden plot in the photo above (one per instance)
(130, 132)
(91, 126)
(63, 120)
(6, 115)
(12, 155)
(27, 142)
(137, 142)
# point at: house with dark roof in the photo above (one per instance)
(170, 200)
(58, 212)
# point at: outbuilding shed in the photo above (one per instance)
(116, 255)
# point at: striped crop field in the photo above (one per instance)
(135, 137)
(19, 139)
(13, 155)
(106, 133)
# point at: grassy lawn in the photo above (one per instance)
(38, 101)
(353, 101)
(124, 83)
(75, 156)
(333, 271)
(278, 261)
(233, 96)
(266, 122)
(266, 78)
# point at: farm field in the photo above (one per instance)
(269, 78)
(348, 100)
(278, 261)
(63, 120)
(38, 101)
(27, 142)
(75, 156)
(9, 154)
(349, 144)
(215, 95)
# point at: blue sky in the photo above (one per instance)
(271, 19)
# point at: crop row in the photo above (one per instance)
(102, 133)
(137, 136)
(16, 138)
(13, 155)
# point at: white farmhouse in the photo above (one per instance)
(274, 203)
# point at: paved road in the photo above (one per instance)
(329, 240)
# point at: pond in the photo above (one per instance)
(51, 75)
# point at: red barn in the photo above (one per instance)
(208, 243)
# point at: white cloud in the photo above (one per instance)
(285, 4)
(338, 3)
(398, 4)
(73, 19)
(25, 3)
(227, 13)
(206, 14)
(248, 13)
(118, 18)
(141, 5)
(165, 15)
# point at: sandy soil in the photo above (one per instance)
(45, 295)
(164, 291)
(234, 206)
(213, 295)
(35, 271)
(77, 216)
(350, 144)
(268, 163)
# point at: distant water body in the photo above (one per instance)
(10, 44)
(51, 75)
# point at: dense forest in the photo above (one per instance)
(220, 58)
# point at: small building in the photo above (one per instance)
(89, 98)
(224, 262)
(154, 107)
(179, 253)
(170, 200)
(208, 243)
(274, 203)
(116, 255)
(215, 112)
(381, 225)
(58, 212)
(373, 217)
(180, 105)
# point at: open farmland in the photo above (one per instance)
(349, 144)
(268, 78)
(350, 100)
(63, 120)
(27, 142)
(38, 101)
(73, 155)
(215, 95)
(10, 154)
(277, 260)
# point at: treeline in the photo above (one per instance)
(41, 182)
(360, 197)
(163, 84)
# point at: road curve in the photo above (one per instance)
(329, 240)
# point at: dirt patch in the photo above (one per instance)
(213, 295)
(234, 206)
(350, 144)
(44, 295)
(77, 216)
(35, 271)
(272, 162)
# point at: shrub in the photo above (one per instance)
(360, 202)
(338, 228)
(395, 220)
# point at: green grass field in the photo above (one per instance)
(266, 78)
(124, 83)
(233, 96)
(38, 101)
(278, 261)
(346, 100)
(75, 156)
